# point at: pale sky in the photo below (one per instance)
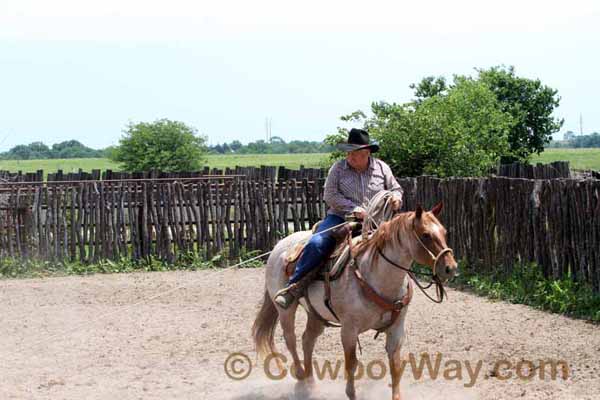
(83, 70)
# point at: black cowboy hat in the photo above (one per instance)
(358, 139)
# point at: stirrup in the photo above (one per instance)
(285, 297)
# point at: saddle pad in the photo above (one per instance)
(337, 267)
(294, 253)
(334, 264)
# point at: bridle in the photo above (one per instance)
(440, 291)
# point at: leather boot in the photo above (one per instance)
(286, 296)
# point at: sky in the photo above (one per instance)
(84, 70)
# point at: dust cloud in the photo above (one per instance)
(289, 389)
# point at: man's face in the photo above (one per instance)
(359, 159)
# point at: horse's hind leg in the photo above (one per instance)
(349, 340)
(288, 324)
(314, 328)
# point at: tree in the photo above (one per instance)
(19, 152)
(569, 135)
(592, 140)
(219, 149)
(429, 87)
(531, 105)
(460, 131)
(235, 145)
(39, 150)
(32, 151)
(161, 145)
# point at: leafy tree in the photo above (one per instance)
(429, 87)
(32, 151)
(569, 135)
(460, 131)
(19, 152)
(531, 105)
(592, 140)
(163, 145)
(275, 146)
(258, 147)
(528, 101)
(39, 150)
(219, 149)
(235, 145)
(110, 152)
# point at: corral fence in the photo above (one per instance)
(553, 170)
(494, 222)
(251, 173)
(93, 220)
(556, 169)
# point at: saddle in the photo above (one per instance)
(334, 265)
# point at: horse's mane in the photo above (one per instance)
(387, 231)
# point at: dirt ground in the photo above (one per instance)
(140, 336)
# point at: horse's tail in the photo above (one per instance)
(263, 329)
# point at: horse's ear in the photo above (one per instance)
(437, 209)
(418, 211)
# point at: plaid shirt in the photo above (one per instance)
(347, 190)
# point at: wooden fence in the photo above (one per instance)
(501, 222)
(252, 173)
(493, 222)
(556, 169)
(115, 219)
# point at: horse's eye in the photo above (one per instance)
(426, 236)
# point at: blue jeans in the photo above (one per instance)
(317, 249)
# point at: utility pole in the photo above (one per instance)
(580, 124)
(268, 129)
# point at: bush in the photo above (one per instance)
(164, 145)
(461, 132)
(463, 128)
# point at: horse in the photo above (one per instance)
(383, 262)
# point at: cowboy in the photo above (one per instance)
(350, 183)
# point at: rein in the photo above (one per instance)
(440, 290)
(439, 286)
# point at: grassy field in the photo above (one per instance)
(579, 159)
(214, 161)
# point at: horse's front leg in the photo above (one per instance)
(349, 339)
(393, 345)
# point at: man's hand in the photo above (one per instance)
(359, 213)
(396, 204)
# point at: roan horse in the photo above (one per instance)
(381, 261)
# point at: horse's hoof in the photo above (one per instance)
(309, 382)
(351, 393)
(298, 373)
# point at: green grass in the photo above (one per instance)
(527, 285)
(578, 158)
(11, 268)
(293, 161)
(67, 165)
(214, 161)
